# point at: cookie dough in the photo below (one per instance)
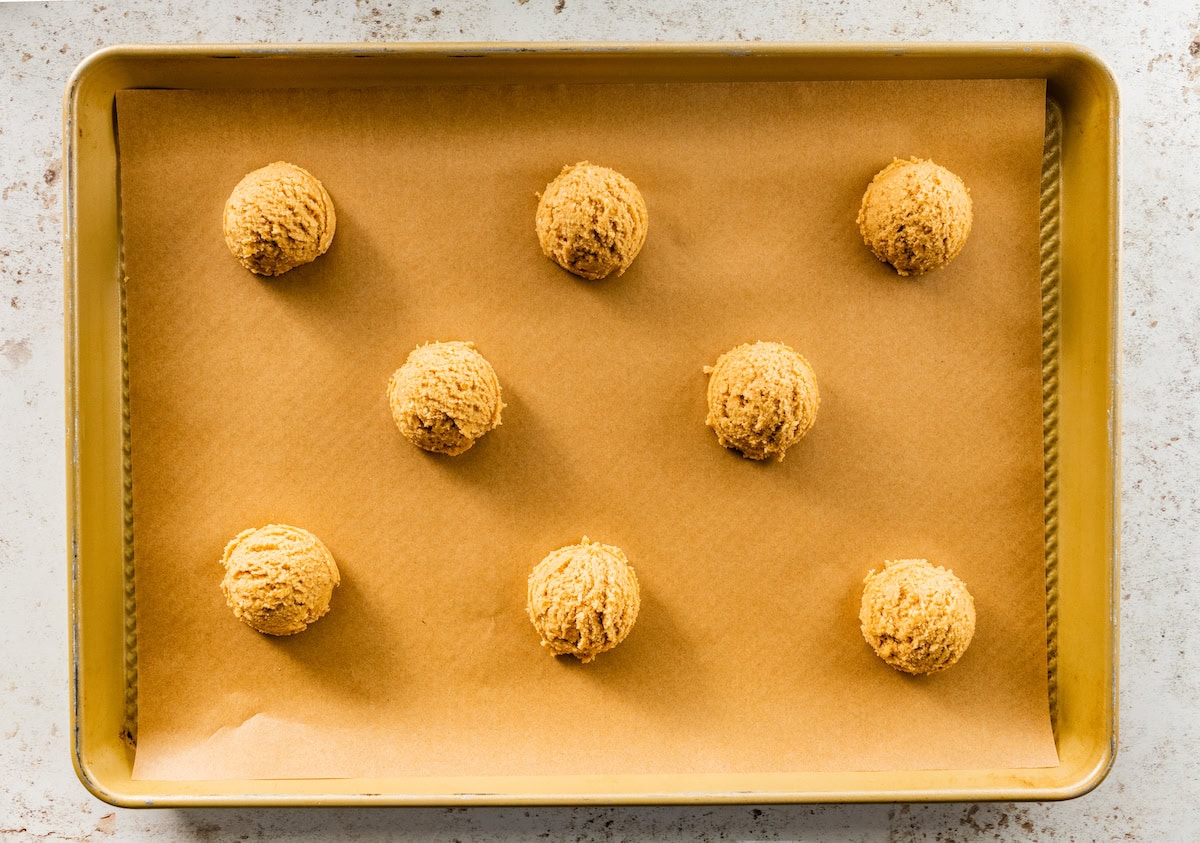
(583, 599)
(915, 215)
(277, 218)
(591, 221)
(762, 399)
(445, 397)
(278, 578)
(918, 618)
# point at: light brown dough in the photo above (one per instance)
(277, 218)
(445, 397)
(583, 599)
(278, 578)
(762, 399)
(918, 618)
(916, 216)
(591, 221)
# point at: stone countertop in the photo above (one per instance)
(1152, 46)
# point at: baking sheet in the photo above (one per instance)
(263, 400)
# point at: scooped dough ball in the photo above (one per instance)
(591, 221)
(445, 397)
(915, 215)
(278, 579)
(762, 399)
(918, 618)
(278, 218)
(583, 599)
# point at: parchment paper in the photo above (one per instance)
(257, 401)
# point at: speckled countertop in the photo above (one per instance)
(1153, 47)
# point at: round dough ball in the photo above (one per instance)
(583, 599)
(278, 578)
(277, 218)
(762, 399)
(918, 618)
(915, 215)
(591, 221)
(445, 397)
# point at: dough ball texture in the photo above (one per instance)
(583, 599)
(762, 399)
(277, 218)
(445, 397)
(278, 578)
(916, 216)
(918, 618)
(591, 221)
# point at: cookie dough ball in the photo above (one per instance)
(278, 218)
(445, 397)
(917, 618)
(762, 399)
(278, 579)
(915, 215)
(583, 599)
(591, 221)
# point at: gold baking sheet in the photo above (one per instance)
(254, 400)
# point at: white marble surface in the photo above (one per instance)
(1153, 46)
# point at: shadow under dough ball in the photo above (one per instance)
(916, 216)
(278, 578)
(591, 221)
(918, 618)
(445, 397)
(583, 599)
(277, 218)
(762, 399)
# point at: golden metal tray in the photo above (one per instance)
(1081, 377)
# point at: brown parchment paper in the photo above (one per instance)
(256, 401)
